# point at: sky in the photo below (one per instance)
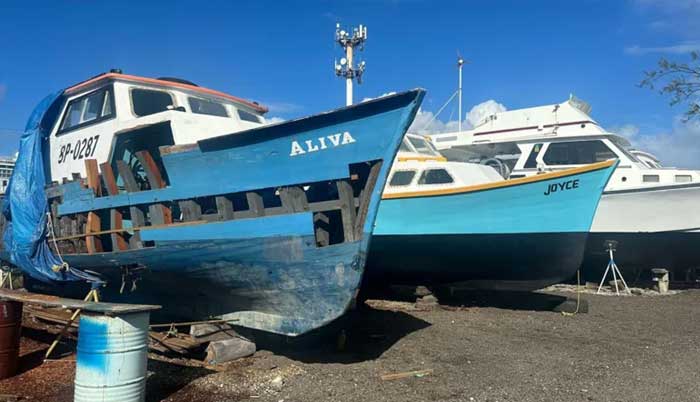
(520, 54)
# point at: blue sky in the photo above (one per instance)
(281, 53)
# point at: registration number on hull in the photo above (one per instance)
(82, 148)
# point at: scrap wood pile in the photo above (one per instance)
(166, 340)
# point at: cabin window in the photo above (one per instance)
(89, 109)
(247, 116)
(148, 101)
(402, 178)
(421, 145)
(435, 176)
(650, 178)
(404, 147)
(684, 178)
(532, 158)
(577, 153)
(204, 106)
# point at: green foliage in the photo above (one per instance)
(680, 81)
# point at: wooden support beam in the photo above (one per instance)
(155, 179)
(108, 178)
(347, 209)
(191, 211)
(116, 223)
(224, 208)
(137, 220)
(366, 196)
(294, 199)
(159, 214)
(93, 176)
(321, 222)
(93, 243)
(255, 203)
(127, 177)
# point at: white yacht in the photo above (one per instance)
(7, 165)
(650, 210)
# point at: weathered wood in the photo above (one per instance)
(93, 243)
(93, 176)
(108, 178)
(347, 209)
(224, 208)
(23, 296)
(159, 214)
(255, 203)
(116, 223)
(155, 179)
(294, 199)
(321, 221)
(127, 177)
(137, 220)
(366, 196)
(191, 211)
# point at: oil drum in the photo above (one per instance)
(10, 329)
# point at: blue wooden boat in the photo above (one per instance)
(450, 222)
(172, 194)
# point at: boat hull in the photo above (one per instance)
(513, 237)
(656, 227)
(268, 228)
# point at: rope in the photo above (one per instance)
(578, 296)
(440, 110)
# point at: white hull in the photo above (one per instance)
(648, 210)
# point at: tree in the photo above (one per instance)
(680, 81)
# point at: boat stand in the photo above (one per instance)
(610, 247)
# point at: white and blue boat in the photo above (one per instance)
(443, 222)
(164, 192)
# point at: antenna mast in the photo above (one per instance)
(460, 63)
(346, 68)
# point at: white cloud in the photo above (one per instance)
(273, 120)
(283, 107)
(3, 91)
(679, 147)
(426, 123)
(676, 16)
(679, 48)
(484, 109)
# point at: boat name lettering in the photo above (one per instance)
(565, 185)
(321, 143)
(83, 148)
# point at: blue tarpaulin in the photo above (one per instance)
(26, 205)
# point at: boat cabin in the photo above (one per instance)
(420, 167)
(525, 142)
(108, 115)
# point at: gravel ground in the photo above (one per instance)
(500, 347)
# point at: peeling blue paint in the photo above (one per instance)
(93, 344)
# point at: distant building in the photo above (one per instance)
(7, 164)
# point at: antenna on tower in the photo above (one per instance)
(460, 64)
(346, 68)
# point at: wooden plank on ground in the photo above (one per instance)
(347, 209)
(398, 376)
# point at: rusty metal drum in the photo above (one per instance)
(10, 330)
(112, 355)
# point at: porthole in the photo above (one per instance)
(624, 178)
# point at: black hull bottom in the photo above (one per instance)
(637, 253)
(525, 261)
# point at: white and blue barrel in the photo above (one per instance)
(112, 357)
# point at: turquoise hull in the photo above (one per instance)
(521, 235)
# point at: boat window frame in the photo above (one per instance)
(413, 178)
(426, 170)
(109, 87)
(209, 100)
(533, 156)
(144, 88)
(259, 119)
(568, 143)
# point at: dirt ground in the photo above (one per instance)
(473, 347)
